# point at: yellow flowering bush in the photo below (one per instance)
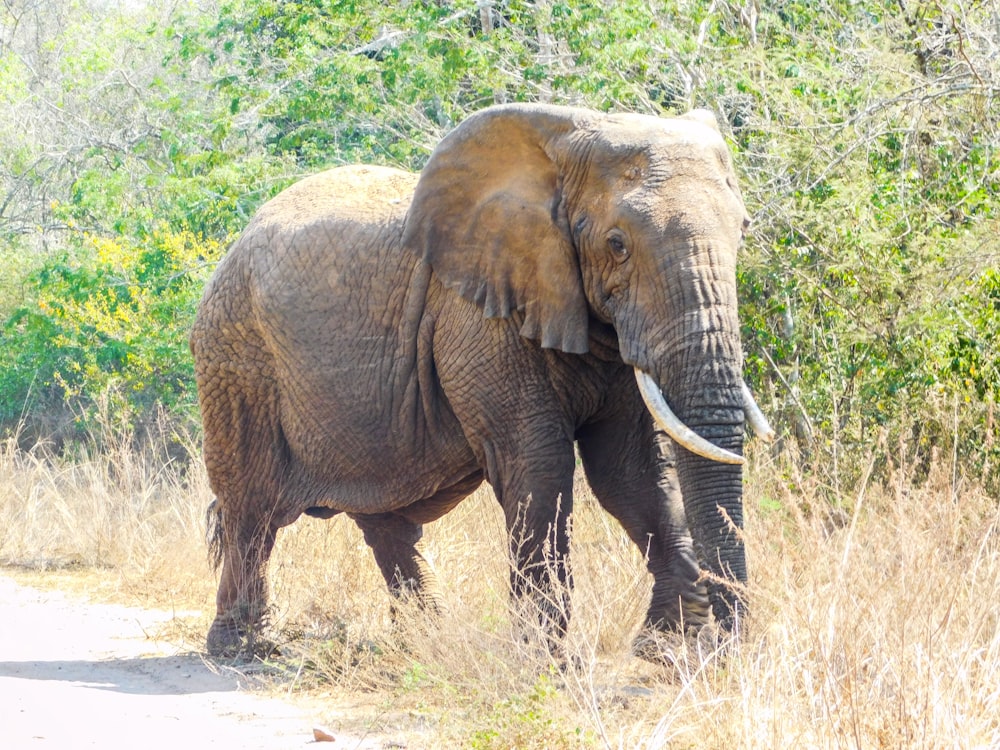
(109, 314)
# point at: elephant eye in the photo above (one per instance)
(616, 244)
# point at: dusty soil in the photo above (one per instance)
(78, 674)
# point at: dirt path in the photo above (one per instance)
(74, 674)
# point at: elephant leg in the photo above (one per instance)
(246, 456)
(680, 599)
(631, 470)
(241, 601)
(508, 395)
(393, 540)
(541, 579)
(537, 501)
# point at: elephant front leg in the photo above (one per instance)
(631, 471)
(679, 601)
(541, 580)
(514, 403)
(241, 601)
(537, 499)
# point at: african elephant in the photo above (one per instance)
(377, 343)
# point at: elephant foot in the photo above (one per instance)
(410, 598)
(229, 638)
(728, 608)
(543, 637)
(225, 638)
(683, 653)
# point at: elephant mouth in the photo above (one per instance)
(688, 438)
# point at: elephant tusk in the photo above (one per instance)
(755, 417)
(680, 432)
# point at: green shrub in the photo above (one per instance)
(106, 315)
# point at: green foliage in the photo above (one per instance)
(873, 186)
(353, 81)
(106, 316)
(530, 721)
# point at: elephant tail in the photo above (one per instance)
(213, 525)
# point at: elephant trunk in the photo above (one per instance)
(714, 510)
(703, 381)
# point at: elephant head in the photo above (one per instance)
(564, 220)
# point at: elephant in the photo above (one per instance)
(557, 284)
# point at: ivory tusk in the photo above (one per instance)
(755, 417)
(681, 433)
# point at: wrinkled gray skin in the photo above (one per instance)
(378, 346)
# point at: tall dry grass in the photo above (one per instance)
(875, 618)
(134, 517)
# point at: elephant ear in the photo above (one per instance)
(488, 216)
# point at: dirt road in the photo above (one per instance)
(75, 674)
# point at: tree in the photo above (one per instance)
(865, 133)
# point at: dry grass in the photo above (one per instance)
(133, 520)
(875, 626)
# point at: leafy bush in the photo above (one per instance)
(107, 315)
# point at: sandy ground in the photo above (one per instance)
(75, 674)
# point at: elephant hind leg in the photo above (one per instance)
(246, 455)
(393, 540)
(241, 602)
